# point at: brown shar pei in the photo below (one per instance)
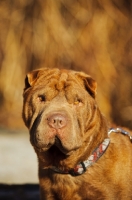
(77, 157)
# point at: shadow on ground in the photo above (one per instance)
(19, 192)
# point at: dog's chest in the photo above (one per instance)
(67, 187)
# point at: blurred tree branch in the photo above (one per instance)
(93, 36)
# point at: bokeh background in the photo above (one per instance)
(94, 36)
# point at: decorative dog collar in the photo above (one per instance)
(82, 166)
(120, 130)
(97, 153)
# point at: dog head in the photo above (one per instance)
(58, 107)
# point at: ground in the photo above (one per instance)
(18, 161)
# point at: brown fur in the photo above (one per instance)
(72, 95)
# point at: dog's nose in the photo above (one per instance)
(57, 121)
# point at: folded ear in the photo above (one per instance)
(31, 78)
(89, 83)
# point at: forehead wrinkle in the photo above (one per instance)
(74, 79)
(62, 81)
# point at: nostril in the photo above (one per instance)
(57, 121)
(60, 121)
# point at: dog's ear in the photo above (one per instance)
(91, 86)
(89, 83)
(31, 78)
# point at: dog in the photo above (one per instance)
(79, 157)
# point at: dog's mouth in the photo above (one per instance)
(57, 144)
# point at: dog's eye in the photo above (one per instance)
(76, 102)
(41, 98)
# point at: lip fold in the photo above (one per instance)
(59, 145)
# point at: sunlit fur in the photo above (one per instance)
(73, 94)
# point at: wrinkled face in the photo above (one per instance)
(57, 107)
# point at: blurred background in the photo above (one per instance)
(94, 36)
